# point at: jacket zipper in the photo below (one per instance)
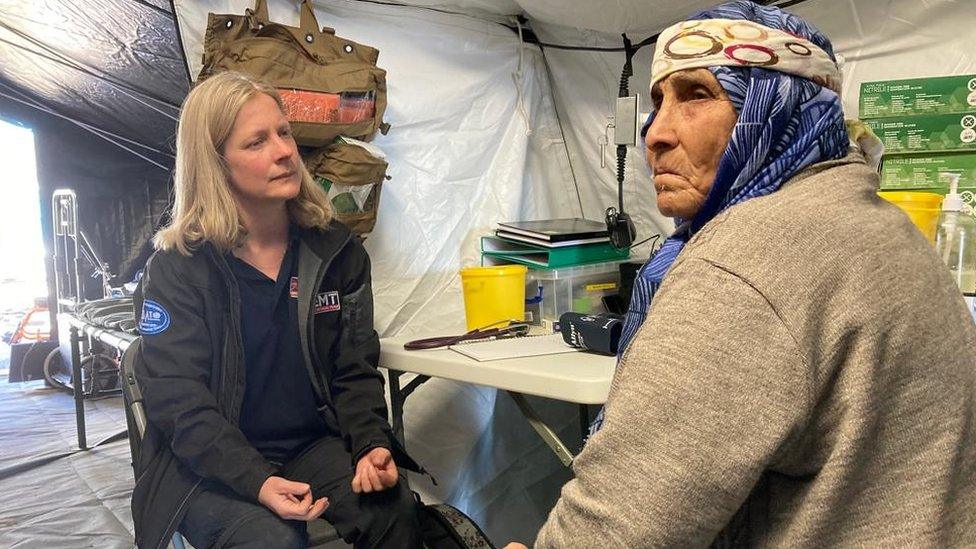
(316, 366)
(313, 350)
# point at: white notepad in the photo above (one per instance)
(519, 347)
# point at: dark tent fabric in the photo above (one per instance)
(100, 83)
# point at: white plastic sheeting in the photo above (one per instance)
(585, 88)
(896, 39)
(606, 16)
(876, 40)
(463, 155)
(462, 159)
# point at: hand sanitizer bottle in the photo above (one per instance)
(955, 241)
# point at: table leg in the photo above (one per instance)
(584, 417)
(546, 432)
(78, 389)
(396, 405)
(398, 397)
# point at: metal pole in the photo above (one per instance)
(64, 212)
(78, 389)
(79, 289)
(55, 246)
(544, 431)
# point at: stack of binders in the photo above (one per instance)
(550, 244)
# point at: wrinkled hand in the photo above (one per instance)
(375, 472)
(291, 500)
(515, 545)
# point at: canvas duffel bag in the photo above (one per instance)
(330, 86)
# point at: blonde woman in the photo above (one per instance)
(258, 358)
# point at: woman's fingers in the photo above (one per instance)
(374, 479)
(388, 477)
(292, 487)
(316, 510)
(306, 501)
(380, 457)
(313, 511)
(357, 481)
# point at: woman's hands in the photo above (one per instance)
(375, 472)
(291, 500)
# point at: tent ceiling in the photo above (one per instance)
(115, 70)
(635, 17)
(106, 64)
(111, 66)
(116, 67)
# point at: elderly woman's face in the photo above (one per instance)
(685, 143)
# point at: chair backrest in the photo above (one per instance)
(135, 415)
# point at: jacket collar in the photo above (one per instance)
(326, 243)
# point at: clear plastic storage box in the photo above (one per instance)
(550, 293)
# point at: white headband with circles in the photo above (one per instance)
(740, 43)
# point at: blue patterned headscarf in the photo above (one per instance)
(785, 124)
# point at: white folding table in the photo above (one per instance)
(578, 377)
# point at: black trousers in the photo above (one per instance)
(218, 517)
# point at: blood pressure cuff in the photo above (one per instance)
(597, 333)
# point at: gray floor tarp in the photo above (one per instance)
(54, 495)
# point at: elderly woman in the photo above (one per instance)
(798, 365)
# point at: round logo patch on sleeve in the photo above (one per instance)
(155, 319)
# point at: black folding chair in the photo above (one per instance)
(320, 532)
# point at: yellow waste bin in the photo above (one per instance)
(922, 208)
(493, 294)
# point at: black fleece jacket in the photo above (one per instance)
(190, 368)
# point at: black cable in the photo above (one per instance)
(624, 91)
(782, 4)
(786, 4)
(621, 169)
(154, 6)
(578, 48)
(655, 238)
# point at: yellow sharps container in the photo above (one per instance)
(922, 208)
(493, 294)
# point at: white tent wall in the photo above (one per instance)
(585, 87)
(877, 40)
(463, 156)
(895, 39)
(461, 159)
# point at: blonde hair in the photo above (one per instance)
(204, 208)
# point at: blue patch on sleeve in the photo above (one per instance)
(155, 319)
